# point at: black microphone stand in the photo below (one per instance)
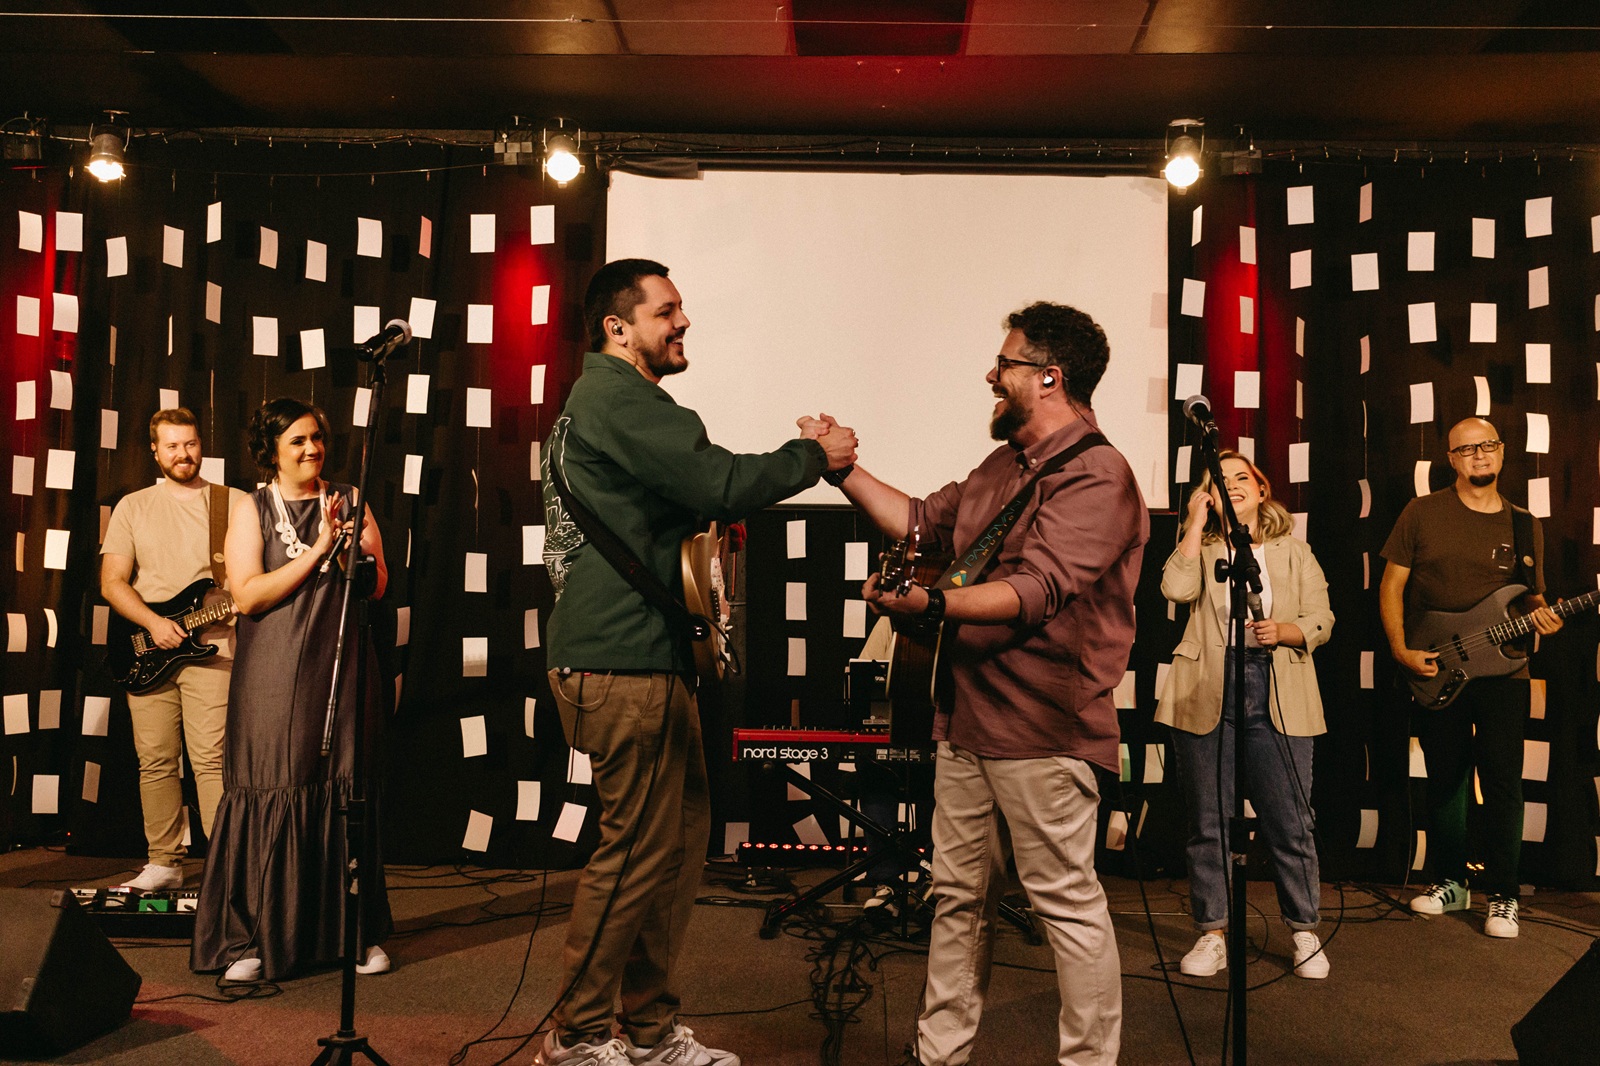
(1244, 580)
(345, 1044)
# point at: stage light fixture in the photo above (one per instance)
(107, 148)
(561, 156)
(1184, 151)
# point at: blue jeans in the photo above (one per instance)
(1278, 773)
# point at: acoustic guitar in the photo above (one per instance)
(1477, 642)
(917, 683)
(134, 659)
(705, 596)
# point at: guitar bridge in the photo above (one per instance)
(141, 643)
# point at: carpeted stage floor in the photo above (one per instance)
(471, 941)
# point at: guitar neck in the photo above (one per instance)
(1521, 626)
(206, 615)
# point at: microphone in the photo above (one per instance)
(1197, 409)
(1252, 600)
(397, 334)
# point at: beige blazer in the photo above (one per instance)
(1192, 698)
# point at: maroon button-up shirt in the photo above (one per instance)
(1042, 685)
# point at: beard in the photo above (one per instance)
(1008, 420)
(180, 472)
(661, 361)
(1482, 481)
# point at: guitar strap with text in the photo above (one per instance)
(971, 563)
(1522, 543)
(219, 532)
(620, 556)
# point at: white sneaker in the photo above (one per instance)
(1209, 954)
(607, 1053)
(1442, 897)
(679, 1049)
(1502, 919)
(244, 970)
(155, 878)
(1310, 960)
(377, 961)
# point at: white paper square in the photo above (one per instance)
(425, 238)
(1534, 816)
(1366, 354)
(1484, 324)
(810, 832)
(1424, 327)
(1301, 209)
(313, 349)
(797, 657)
(1364, 271)
(1594, 233)
(533, 545)
(214, 222)
(1300, 269)
(855, 560)
(1187, 381)
(421, 317)
(1180, 467)
(317, 261)
(1194, 225)
(1483, 238)
(1539, 287)
(264, 334)
(55, 548)
(91, 782)
(482, 233)
(269, 248)
(1538, 363)
(795, 535)
(1247, 389)
(479, 826)
(794, 601)
(1481, 384)
(1419, 250)
(478, 402)
(96, 715)
(16, 630)
(213, 302)
(855, 619)
(1299, 462)
(369, 237)
(402, 626)
(172, 246)
(1538, 433)
(362, 407)
(69, 231)
(480, 323)
(1367, 836)
(58, 468)
(116, 257)
(1421, 473)
(364, 323)
(60, 390)
(411, 483)
(1536, 760)
(530, 628)
(108, 429)
(28, 316)
(1421, 402)
(30, 231)
(536, 384)
(1247, 315)
(46, 794)
(1536, 216)
(527, 801)
(16, 713)
(22, 471)
(1124, 694)
(1366, 498)
(1247, 244)
(530, 707)
(474, 656)
(474, 737)
(416, 394)
(476, 578)
(542, 224)
(1194, 298)
(100, 618)
(580, 771)
(540, 308)
(570, 822)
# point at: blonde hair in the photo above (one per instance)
(1273, 519)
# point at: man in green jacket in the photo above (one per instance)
(623, 674)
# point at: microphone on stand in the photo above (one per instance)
(1197, 409)
(397, 334)
(1252, 600)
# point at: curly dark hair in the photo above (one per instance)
(615, 290)
(1066, 338)
(269, 423)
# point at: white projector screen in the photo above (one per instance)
(879, 298)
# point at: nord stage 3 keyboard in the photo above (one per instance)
(822, 745)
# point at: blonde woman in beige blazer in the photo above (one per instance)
(1282, 710)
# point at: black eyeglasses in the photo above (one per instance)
(1487, 447)
(1001, 363)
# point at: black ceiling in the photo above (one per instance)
(1301, 70)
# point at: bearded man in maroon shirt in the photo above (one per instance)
(1037, 636)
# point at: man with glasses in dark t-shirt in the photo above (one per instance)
(1448, 552)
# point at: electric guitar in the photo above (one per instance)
(917, 678)
(705, 596)
(1477, 642)
(138, 664)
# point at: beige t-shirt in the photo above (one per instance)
(168, 537)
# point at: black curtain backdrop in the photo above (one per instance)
(475, 492)
(1355, 411)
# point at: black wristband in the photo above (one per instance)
(836, 477)
(933, 614)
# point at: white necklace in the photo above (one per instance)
(292, 545)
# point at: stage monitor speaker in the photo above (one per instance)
(1563, 1027)
(62, 983)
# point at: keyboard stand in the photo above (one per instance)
(897, 841)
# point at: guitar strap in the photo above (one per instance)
(620, 556)
(1522, 543)
(219, 532)
(968, 566)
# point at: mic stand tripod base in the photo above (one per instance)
(343, 1048)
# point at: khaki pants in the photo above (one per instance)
(1050, 807)
(632, 905)
(192, 706)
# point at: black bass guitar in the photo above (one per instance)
(138, 664)
(1478, 642)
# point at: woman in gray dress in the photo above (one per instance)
(272, 899)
